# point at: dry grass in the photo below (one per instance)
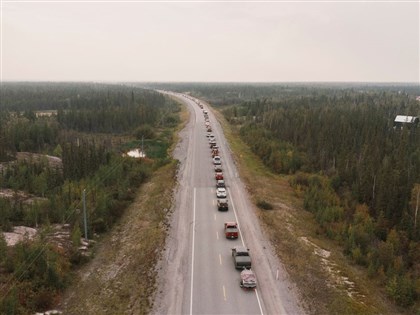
(324, 282)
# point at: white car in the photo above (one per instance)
(217, 160)
(221, 192)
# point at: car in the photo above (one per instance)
(217, 160)
(221, 192)
(218, 175)
(222, 204)
(231, 230)
(248, 279)
(209, 135)
(217, 168)
(220, 183)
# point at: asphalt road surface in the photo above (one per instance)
(197, 273)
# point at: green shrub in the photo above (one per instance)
(262, 204)
(145, 131)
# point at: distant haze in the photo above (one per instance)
(210, 41)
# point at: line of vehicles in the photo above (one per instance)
(240, 254)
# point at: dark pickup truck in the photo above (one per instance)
(241, 257)
(222, 205)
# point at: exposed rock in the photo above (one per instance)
(19, 195)
(19, 234)
(49, 312)
(53, 161)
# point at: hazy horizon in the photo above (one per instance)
(268, 42)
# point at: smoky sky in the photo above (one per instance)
(210, 41)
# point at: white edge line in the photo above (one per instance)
(236, 218)
(259, 302)
(1, 43)
(192, 253)
(242, 239)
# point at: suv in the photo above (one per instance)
(221, 192)
(222, 205)
(220, 183)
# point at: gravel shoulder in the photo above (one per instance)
(173, 265)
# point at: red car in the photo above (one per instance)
(231, 229)
(219, 175)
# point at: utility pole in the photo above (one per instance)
(417, 209)
(142, 146)
(84, 213)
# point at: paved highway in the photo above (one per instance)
(198, 275)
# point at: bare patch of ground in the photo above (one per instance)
(19, 234)
(19, 195)
(53, 161)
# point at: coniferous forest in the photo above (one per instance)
(357, 172)
(358, 175)
(56, 141)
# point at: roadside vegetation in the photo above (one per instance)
(357, 174)
(56, 141)
(334, 152)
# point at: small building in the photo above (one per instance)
(401, 121)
